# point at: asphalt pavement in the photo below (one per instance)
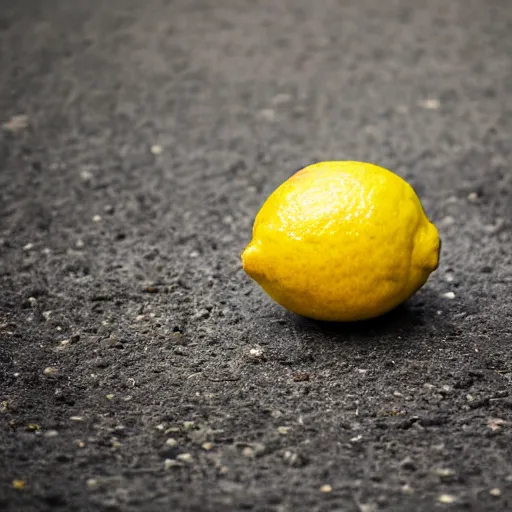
(140, 368)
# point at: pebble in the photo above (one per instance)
(473, 197)
(185, 457)
(156, 149)
(326, 488)
(446, 498)
(256, 352)
(92, 483)
(170, 463)
(447, 221)
(28, 247)
(19, 484)
(86, 176)
(294, 459)
(77, 418)
(257, 355)
(449, 295)
(449, 278)
(79, 244)
(430, 103)
(189, 425)
(50, 371)
(495, 492)
(407, 489)
(32, 301)
(46, 251)
(96, 218)
(171, 442)
(109, 396)
(51, 433)
(207, 446)
(301, 377)
(283, 430)
(47, 315)
(444, 473)
(16, 123)
(248, 452)
(495, 424)
(194, 254)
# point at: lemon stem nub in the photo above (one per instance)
(250, 258)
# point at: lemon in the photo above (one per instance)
(342, 241)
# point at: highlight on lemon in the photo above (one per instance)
(342, 241)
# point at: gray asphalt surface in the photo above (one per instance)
(140, 369)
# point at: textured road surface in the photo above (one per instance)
(140, 370)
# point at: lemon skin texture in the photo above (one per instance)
(342, 241)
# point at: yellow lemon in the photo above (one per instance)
(342, 241)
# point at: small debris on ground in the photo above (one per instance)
(257, 354)
(19, 484)
(430, 103)
(248, 452)
(50, 371)
(16, 123)
(495, 424)
(444, 473)
(446, 499)
(92, 483)
(171, 463)
(185, 457)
